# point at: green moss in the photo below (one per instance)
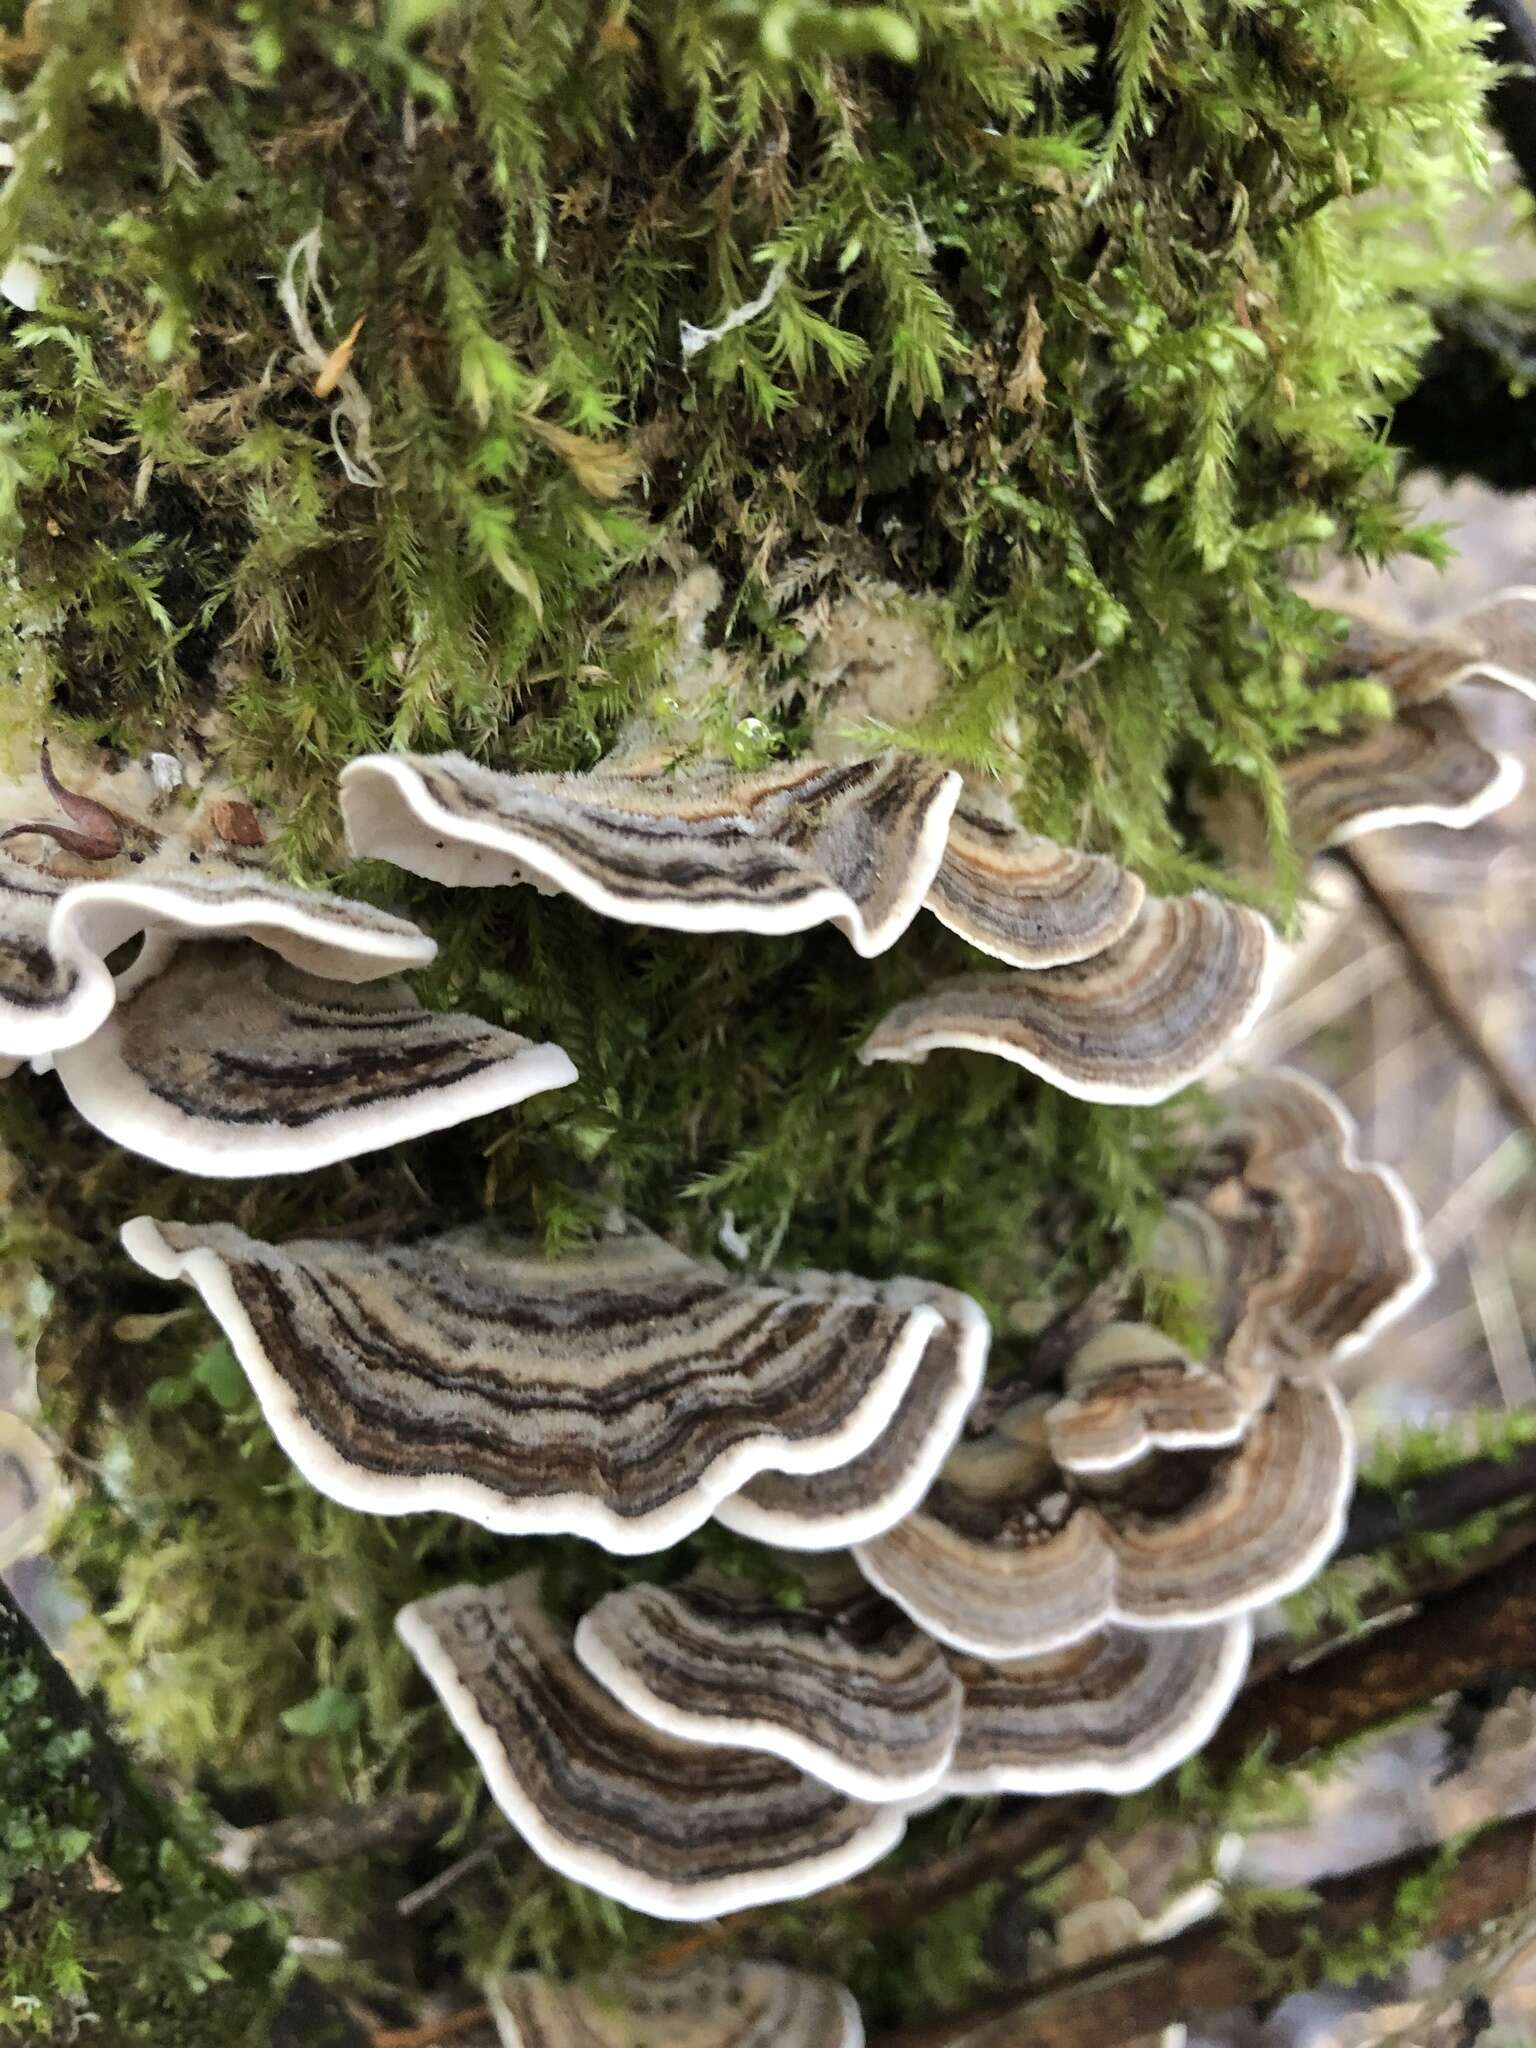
(110, 1918)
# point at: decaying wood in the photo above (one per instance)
(1202, 1971)
(262, 1856)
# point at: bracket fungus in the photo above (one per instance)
(847, 1503)
(1131, 1391)
(733, 2004)
(58, 929)
(1327, 1251)
(681, 1830)
(1010, 1557)
(616, 1394)
(695, 847)
(1110, 1713)
(1426, 766)
(231, 1062)
(1135, 1023)
(1493, 639)
(1025, 899)
(849, 1691)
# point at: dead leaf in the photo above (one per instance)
(339, 361)
(235, 822)
(1025, 389)
(102, 1879)
(603, 468)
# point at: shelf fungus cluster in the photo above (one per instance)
(202, 1012)
(1020, 1588)
(1111, 995)
(1427, 764)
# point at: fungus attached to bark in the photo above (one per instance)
(1025, 899)
(849, 1691)
(57, 932)
(734, 2004)
(1426, 766)
(230, 1062)
(1329, 1250)
(849, 1502)
(678, 1829)
(1010, 1557)
(615, 1394)
(693, 847)
(1110, 1713)
(1129, 1391)
(1135, 1023)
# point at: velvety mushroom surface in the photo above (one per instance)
(1111, 1713)
(616, 1394)
(231, 1062)
(696, 847)
(57, 930)
(1308, 1253)
(848, 1503)
(1135, 1023)
(1426, 766)
(1131, 1391)
(678, 1829)
(736, 2004)
(1010, 1557)
(1024, 899)
(851, 1693)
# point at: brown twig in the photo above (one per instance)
(448, 2028)
(1334, 1698)
(1458, 1012)
(1202, 1971)
(1380, 1514)
(308, 1841)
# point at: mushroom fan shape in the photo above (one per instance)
(1114, 996)
(1426, 765)
(282, 1040)
(1018, 1591)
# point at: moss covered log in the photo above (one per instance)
(490, 374)
(114, 1926)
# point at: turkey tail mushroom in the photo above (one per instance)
(732, 2004)
(850, 1692)
(230, 1062)
(681, 1830)
(692, 848)
(1024, 899)
(616, 1394)
(1135, 1023)
(1112, 1712)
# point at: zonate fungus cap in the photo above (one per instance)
(677, 1829)
(56, 933)
(699, 847)
(1009, 1557)
(852, 1693)
(735, 2004)
(1334, 1248)
(230, 1062)
(1426, 766)
(615, 1394)
(1110, 1713)
(1136, 1023)
(1492, 639)
(1025, 899)
(847, 1503)
(1130, 1391)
